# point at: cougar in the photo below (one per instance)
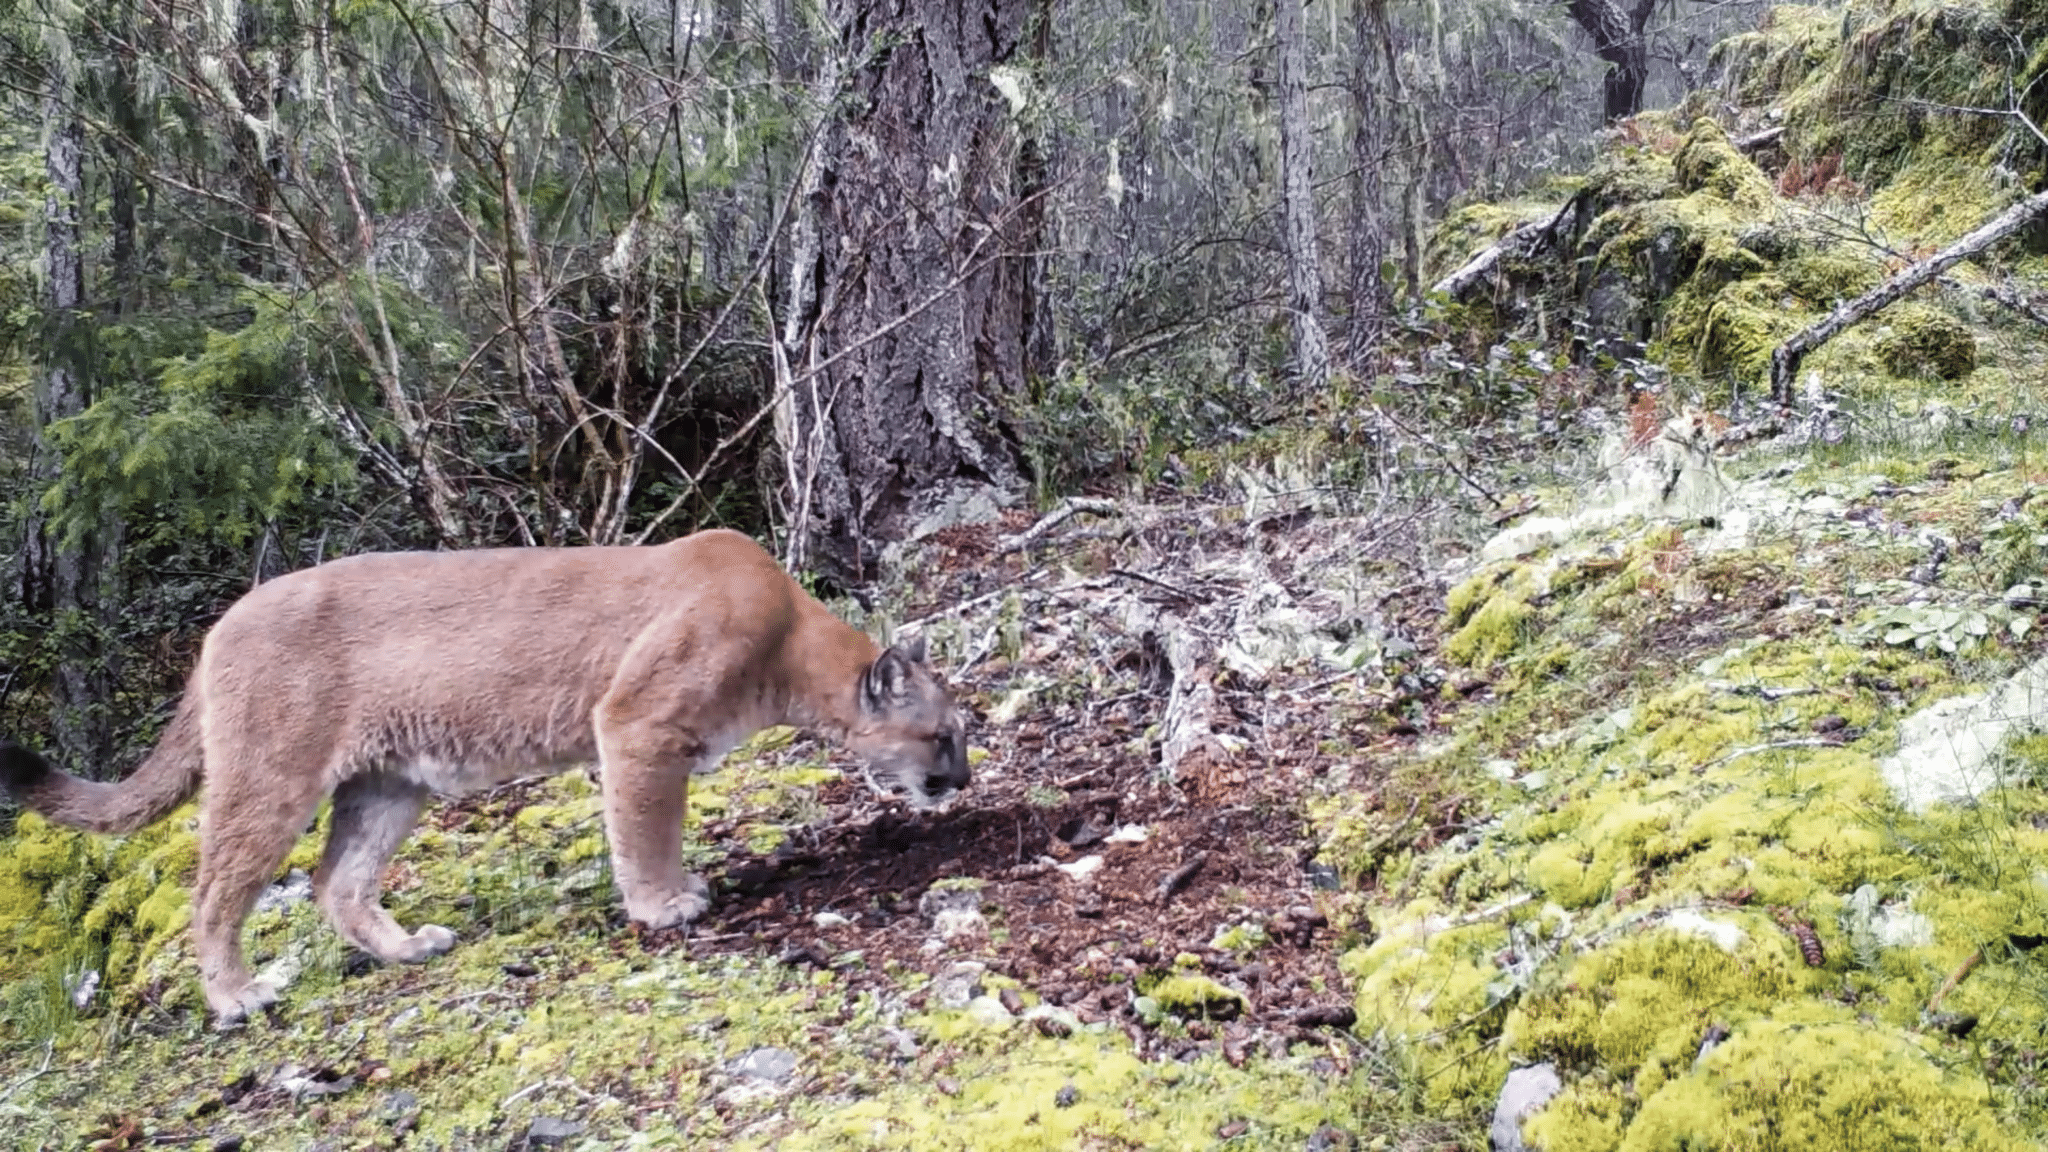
(384, 678)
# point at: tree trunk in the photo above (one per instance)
(64, 576)
(1368, 219)
(1786, 357)
(1298, 200)
(907, 329)
(1616, 27)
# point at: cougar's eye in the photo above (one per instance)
(944, 742)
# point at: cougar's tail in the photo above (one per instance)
(167, 779)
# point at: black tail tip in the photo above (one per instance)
(20, 769)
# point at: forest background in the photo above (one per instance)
(285, 280)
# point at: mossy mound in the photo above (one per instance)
(1924, 341)
(1684, 865)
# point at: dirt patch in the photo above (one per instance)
(1096, 875)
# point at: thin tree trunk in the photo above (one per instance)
(1786, 357)
(1298, 198)
(1368, 237)
(72, 575)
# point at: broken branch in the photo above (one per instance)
(1786, 357)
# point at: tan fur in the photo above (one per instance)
(382, 679)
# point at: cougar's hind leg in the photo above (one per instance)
(247, 825)
(373, 814)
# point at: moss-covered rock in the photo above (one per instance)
(1706, 162)
(1922, 341)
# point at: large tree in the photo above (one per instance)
(910, 305)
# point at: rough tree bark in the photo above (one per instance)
(1298, 201)
(1616, 27)
(68, 578)
(1786, 357)
(908, 318)
(1368, 224)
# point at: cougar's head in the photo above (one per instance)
(909, 731)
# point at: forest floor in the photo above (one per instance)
(1081, 950)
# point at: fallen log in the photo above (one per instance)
(1786, 357)
(1522, 240)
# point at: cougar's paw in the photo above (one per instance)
(430, 941)
(687, 905)
(231, 1008)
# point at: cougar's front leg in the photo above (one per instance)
(646, 767)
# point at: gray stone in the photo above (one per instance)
(958, 985)
(295, 888)
(548, 1130)
(1526, 1092)
(989, 1012)
(771, 1064)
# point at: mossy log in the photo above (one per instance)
(1525, 241)
(1786, 357)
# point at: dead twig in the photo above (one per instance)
(1178, 879)
(49, 1049)
(1968, 965)
(1069, 508)
(1183, 593)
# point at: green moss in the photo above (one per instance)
(1621, 176)
(1923, 341)
(1740, 326)
(1491, 633)
(1194, 995)
(1935, 200)
(1792, 44)
(1706, 162)
(1780, 1085)
(1822, 279)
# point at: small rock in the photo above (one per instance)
(1080, 832)
(1326, 1016)
(826, 920)
(1088, 905)
(989, 1012)
(1956, 1024)
(811, 952)
(771, 1064)
(1067, 1096)
(1322, 877)
(1052, 1027)
(1330, 1138)
(519, 969)
(1829, 723)
(295, 888)
(947, 1086)
(547, 1130)
(1081, 869)
(1527, 1090)
(1233, 1130)
(958, 984)
(1012, 1000)
(903, 1044)
(953, 912)
(399, 1105)
(228, 1144)
(1715, 1034)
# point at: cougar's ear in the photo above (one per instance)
(882, 684)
